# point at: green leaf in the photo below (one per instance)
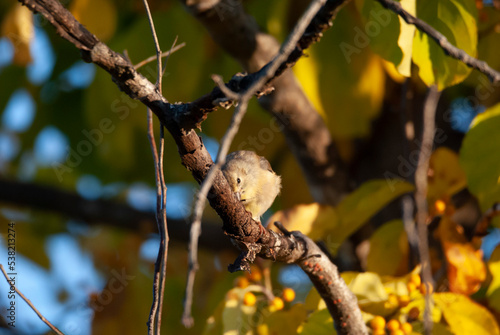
(319, 323)
(351, 78)
(482, 144)
(334, 225)
(388, 249)
(464, 316)
(456, 20)
(359, 206)
(285, 321)
(389, 35)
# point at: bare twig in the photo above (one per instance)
(164, 54)
(54, 328)
(164, 228)
(430, 106)
(157, 45)
(156, 276)
(154, 322)
(442, 41)
(226, 141)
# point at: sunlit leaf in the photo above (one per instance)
(367, 287)
(306, 71)
(493, 292)
(336, 224)
(480, 159)
(446, 176)
(389, 35)
(388, 249)
(456, 19)
(466, 269)
(464, 316)
(362, 204)
(17, 26)
(98, 16)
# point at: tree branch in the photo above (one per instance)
(430, 106)
(111, 213)
(47, 322)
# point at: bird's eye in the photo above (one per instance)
(238, 180)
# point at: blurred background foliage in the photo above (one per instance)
(65, 125)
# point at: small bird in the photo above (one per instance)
(252, 179)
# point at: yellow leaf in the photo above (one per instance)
(312, 219)
(285, 321)
(446, 177)
(493, 292)
(466, 269)
(367, 287)
(334, 225)
(18, 28)
(405, 39)
(464, 316)
(98, 16)
(387, 253)
(306, 71)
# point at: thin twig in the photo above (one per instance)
(164, 54)
(226, 141)
(430, 106)
(442, 41)
(164, 229)
(54, 328)
(156, 276)
(171, 51)
(157, 45)
(154, 322)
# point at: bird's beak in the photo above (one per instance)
(238, 195)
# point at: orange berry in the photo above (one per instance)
(440, 206)
(403, 300)
(397, 332)
(406, 328)
(393, 300)
(411, 287)
(393, 325)
(415, 279)
(288, 294)
(377, 323)
(255, 274)
(277, 303)
(378, 332)
(241, 282)
(424, 286)
(249, 299)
